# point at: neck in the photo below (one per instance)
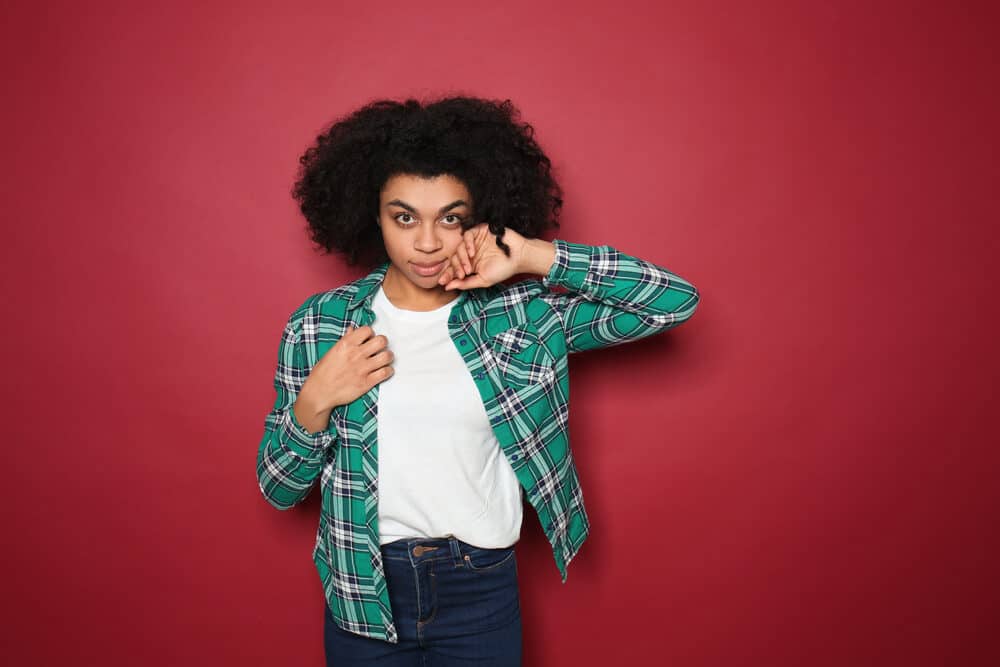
(404, 294)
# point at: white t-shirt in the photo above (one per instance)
(440, 468)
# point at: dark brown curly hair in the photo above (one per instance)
(481, 142)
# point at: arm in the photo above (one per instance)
(612, 297)
(290, 457)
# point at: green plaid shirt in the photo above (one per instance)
(514, 340)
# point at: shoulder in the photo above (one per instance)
(330, 298)
(328, 303)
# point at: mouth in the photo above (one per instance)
(427, 269)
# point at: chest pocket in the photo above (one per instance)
(521, 358)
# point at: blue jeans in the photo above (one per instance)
(452, 604)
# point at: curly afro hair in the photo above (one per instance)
(480, 142)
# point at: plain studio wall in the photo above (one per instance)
(802, 474)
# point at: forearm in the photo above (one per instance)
(295, 440)
(537, 257)
(312, 416)
(289, 459)
(614, 297)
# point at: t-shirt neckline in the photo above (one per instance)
(440, 313)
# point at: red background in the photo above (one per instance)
(803, 474)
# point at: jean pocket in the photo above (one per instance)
(480, 559)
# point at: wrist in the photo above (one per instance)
(537, 257)
(308, 411)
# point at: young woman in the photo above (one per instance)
(430, 397)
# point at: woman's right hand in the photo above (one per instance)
(355, 364)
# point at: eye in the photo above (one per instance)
(450, 220)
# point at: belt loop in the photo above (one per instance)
(410, 543)
(456, 549)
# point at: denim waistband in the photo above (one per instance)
(417, 550)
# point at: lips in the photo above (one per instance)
(427, 269)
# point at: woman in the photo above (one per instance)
(429, 397)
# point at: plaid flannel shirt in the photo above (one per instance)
(514, 340)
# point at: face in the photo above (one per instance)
(421, 221)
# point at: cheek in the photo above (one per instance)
(391, 242)
(452, 240)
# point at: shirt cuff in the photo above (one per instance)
(574, 267)
(298, 440)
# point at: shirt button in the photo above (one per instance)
(461, 341)
(514, 457)
(480, 376)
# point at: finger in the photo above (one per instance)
(446, 275)
(380, 375)
(463, 257)
(470, 242)
(475, 280)
(384, 357)
(456, 263)
(374, 345)
(363, 333)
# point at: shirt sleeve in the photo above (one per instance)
(612, 297)
(289, 458)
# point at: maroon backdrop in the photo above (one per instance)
(803, 474)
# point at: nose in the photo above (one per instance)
(427, 239)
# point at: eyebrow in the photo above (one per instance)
(399, 202)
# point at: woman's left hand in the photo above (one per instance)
(479, 262)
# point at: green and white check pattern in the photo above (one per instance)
(514, 340)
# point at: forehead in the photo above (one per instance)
(421, 191)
